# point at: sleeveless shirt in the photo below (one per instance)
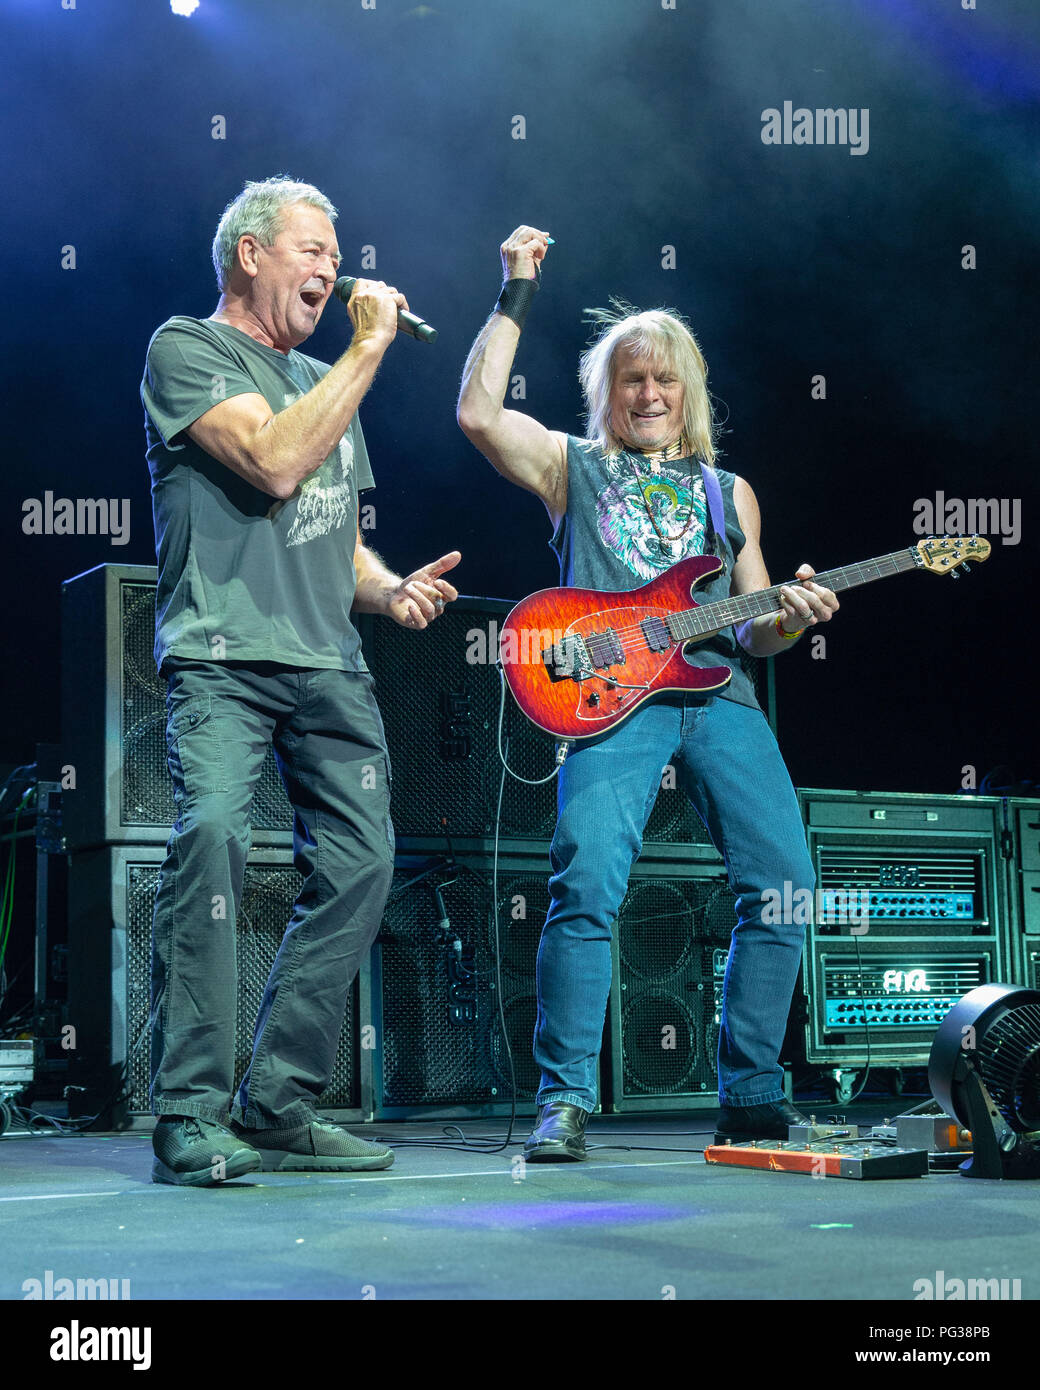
(606, 540)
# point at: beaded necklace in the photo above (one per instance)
(669, 545)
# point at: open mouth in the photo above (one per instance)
(312, 298)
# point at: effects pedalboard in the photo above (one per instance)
(836, 1151)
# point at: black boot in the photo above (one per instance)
(559, 1135)
(742, 1123)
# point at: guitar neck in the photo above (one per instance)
(739, 608)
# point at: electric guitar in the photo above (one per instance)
(579, 661)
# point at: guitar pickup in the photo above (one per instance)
(655, 630)
(567, 660)
(605, 648)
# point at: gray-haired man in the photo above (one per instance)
(257, 459)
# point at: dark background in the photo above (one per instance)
(643, 129)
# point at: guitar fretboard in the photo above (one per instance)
(738, 608)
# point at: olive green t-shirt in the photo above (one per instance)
(242, 575)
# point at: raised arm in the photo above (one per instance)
(520, 448)
(275, 451)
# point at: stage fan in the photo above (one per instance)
(984, 1068)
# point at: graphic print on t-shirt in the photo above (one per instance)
(323, 506)
(626, 529)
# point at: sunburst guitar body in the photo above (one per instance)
(579, 661)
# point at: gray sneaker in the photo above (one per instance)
(190, 1152)
(318, 1147)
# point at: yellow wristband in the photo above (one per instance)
(787, 636)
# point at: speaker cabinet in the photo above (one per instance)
(671, 944)
(114, 720)
(435, 990)
(111, 894)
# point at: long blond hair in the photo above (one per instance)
(663, 336)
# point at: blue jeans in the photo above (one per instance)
(331, 751)
(728, 763)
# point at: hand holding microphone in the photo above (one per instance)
(407, 322)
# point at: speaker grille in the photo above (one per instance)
(673, 938)
(663, 1042)
(439, 698)
(268, 894)
(146, 787)
(430, 1056)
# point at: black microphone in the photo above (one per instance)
(406, 322)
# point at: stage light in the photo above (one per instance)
(184, 7)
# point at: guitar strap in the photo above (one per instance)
(716, 509)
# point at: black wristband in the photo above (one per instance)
(515, 299)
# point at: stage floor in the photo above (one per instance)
(644, 1219)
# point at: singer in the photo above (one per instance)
(257, 458)
(625, 504)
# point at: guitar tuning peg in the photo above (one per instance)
(966, 567)
(955, 573)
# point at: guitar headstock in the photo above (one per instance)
(946, 554)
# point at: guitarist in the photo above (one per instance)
(625, 504)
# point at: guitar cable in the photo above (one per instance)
(562, 749)
(488, 1145)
